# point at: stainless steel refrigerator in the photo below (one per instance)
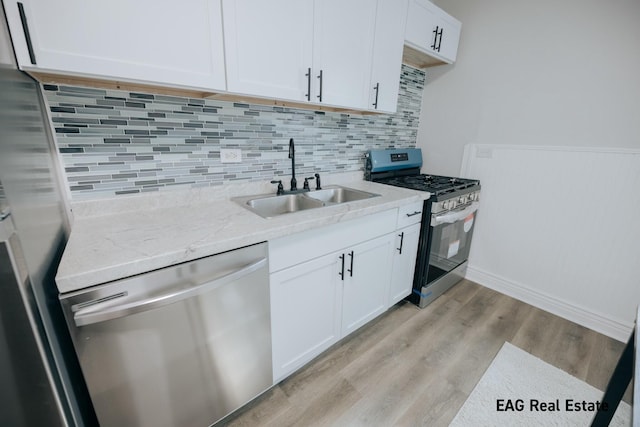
(40, 379)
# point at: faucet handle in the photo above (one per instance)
(306, 183)
(318, 187)
(280, 186)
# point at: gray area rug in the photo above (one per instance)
(518, 389)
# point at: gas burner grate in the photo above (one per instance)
(435, 184)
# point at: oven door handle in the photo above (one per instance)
(454, 216)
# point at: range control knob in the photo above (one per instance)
(445, 204)
(462, 199)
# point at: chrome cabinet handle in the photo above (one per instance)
(413, 214)
(90, 315)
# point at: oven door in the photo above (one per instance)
(451, 234)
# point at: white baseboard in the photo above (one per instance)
(599, 323)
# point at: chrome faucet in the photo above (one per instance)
(292, 156)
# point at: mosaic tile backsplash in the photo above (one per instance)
(118, 142)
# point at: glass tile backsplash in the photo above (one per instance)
(117, 142)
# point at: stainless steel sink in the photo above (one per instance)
(340, 195)
(269, 206)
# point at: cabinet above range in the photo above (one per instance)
(431, 36)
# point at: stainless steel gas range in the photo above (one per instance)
(447, 220)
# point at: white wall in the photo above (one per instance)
(535, 73)
(546, 74)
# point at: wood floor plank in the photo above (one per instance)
(416, 367)
(386, 356)
(339, 397)
(304, 384)
(572, 349)
(605, 354)
(538, 333)
(436, 406)
(260, 411)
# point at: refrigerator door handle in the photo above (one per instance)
(89, 315)
(27, 34)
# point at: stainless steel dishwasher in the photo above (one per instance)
(181, 346)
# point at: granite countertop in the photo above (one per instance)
(117, 238)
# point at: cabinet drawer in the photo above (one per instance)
(300, 247)
(410, 214)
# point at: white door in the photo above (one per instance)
(387, 55)
(366, 284)
(404, 263)
(269, 47)
(177, 43)
(422, 18)
(305, 313)
(449, 37)
(342, 51)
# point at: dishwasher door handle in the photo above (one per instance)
(89, 315)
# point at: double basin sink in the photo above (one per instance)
(269, 206)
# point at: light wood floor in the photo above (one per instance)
(414, 367)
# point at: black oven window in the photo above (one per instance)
(450, 245)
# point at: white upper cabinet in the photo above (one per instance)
(387, 55)
(301, 50)
(269, 47)
(170, 43)
(432, 31)
(448, 36)
(343, 51)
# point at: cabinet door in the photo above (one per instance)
(404, 263)
(431, 30)
(449, 37)
(305, 313)
(366, 284)
(387, 54)
(268, 47)
(422, 19)
(176, 43)
(342, 51)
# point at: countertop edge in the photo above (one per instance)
(75, 274)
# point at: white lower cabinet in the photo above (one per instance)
(318, 302)
(330, 281)
(404, 263)
(367, 272)
(305, 313)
